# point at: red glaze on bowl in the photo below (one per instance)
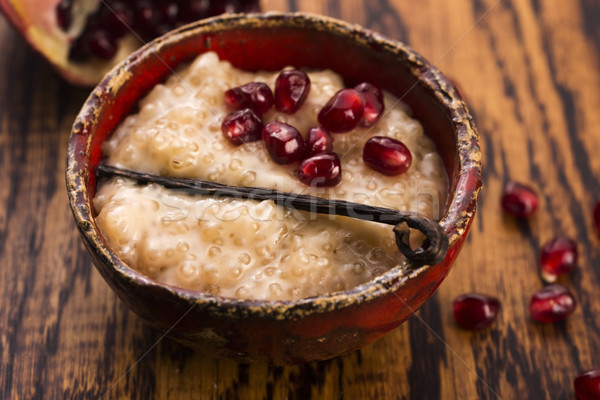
(281, 332)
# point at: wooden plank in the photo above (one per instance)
(530, 70)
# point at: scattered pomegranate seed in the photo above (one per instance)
(283, 142)
(558, 256)
(317, 142)
(103, 45)
(255, 95)
(321, 170)
(343, 111)
(596, 213)
(374, 105)
(552, 304)
(475, 311)
(587, 385)
(519, 200)
(242, 127)
(387, 155)
(291, 89)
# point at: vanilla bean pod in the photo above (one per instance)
(432, 251)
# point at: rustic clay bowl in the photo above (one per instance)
(281, 332)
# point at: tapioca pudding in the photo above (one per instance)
(256, 250)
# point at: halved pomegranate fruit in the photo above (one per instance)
(83, 39)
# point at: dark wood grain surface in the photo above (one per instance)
(530, 71)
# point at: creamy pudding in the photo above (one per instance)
(248, 249)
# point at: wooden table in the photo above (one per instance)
(530, 71)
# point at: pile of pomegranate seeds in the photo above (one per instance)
(596, 214)
(319, 165)
(242, 126)
(558, 256)
(147, 19)
(519, 200)
(254, 95)
(552, 304)
(283, 142)
(475, 311)
(587, 385)
(387, 155)
(291, 89)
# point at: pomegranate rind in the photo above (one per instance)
(36, 21)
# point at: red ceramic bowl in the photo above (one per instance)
(280, 332)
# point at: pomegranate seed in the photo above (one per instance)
(519, 200)
(254, 95)
(596, 213)
(387, 155)
(475, 311)
(118, 19)
(194, 9)
(283, 142)
(63, 14)
(249, 6)
(168, 12)
(343, 111)
(146, 16)
(374, 105)
(103, 45)
(587, 385)
(552, 304)
(291, 89)
(317, 142)
(242, 126)
(80, 49)
(321, 170)
(558, 256)
(224, 6)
